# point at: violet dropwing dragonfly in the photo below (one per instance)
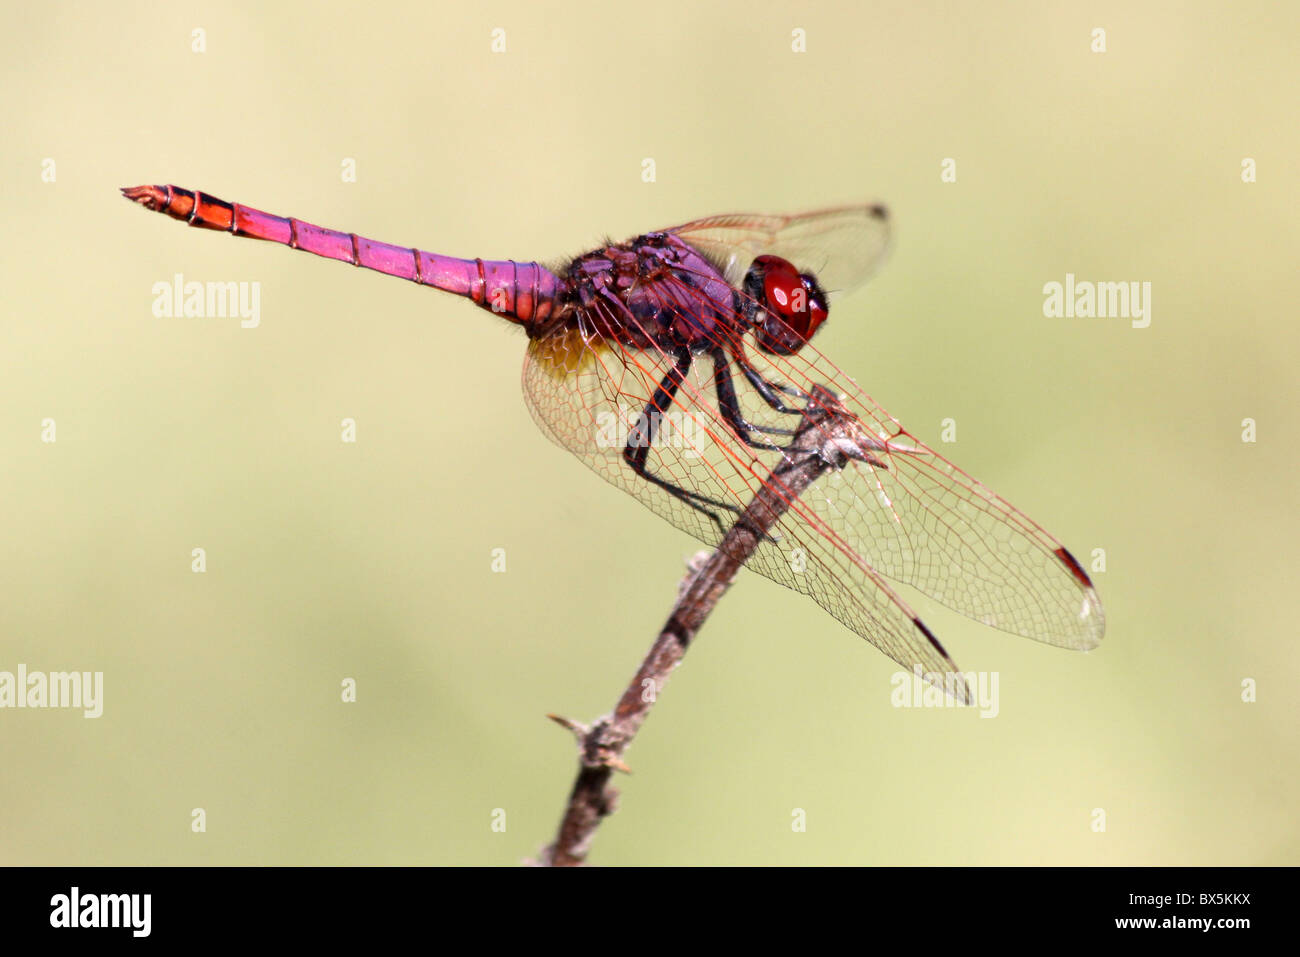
(674, 365)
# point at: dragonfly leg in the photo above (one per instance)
(769, 390)
(642, 436)
(729, 406)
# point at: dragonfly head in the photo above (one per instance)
(784, 306)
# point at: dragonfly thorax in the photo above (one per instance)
(653, 292)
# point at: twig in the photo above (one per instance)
(825, 439)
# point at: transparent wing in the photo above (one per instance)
(917, 518)
(587, 396)
(843, 246)
(902, 512)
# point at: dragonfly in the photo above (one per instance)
(678, 364)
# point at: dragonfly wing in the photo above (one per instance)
(842, 246)
(916, 518)
(587, 395)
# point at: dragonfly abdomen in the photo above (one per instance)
(521, 292)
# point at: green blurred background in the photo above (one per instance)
(373, 560)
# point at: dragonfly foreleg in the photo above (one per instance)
(769, 390)
(729, 406)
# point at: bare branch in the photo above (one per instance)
(825, 439)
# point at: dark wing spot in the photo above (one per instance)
(1075, 568)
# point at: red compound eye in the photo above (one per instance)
(795, 305)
